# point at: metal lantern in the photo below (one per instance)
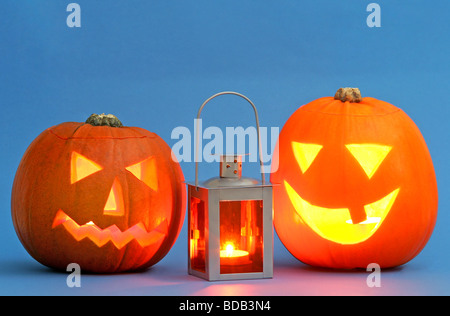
(230, 220)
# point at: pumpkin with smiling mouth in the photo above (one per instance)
(108, 197)
(356, 184)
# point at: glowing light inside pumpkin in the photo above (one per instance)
(146, 172)
(112, 234)
(369, 156)
(115, 205)
(81, 167)
(336, 224)
(305, 154)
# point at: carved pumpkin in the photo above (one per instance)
(107, 197)
(356, 184)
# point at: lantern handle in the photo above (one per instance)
(257, 131)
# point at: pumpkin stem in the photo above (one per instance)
(104, 120)
(348, 94)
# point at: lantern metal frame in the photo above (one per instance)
(211, 193)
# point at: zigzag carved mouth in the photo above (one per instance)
(112, 233)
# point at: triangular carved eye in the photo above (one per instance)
(369, 156)
(81, 167)
(305, 154)
(146, 172)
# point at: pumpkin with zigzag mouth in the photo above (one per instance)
(99, 194)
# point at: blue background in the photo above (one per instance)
(152, 63)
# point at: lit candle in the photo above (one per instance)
(231, 256)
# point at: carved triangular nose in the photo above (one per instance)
(115, 205)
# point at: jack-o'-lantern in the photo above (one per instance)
(107, 197)
(356, 184)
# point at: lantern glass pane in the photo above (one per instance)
(241, 236)
(197, 234)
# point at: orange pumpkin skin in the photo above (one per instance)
(53, 201)
(333, 182)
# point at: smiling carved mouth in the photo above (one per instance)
(336, 224)
(112, 233)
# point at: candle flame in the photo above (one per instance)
(229, 250)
